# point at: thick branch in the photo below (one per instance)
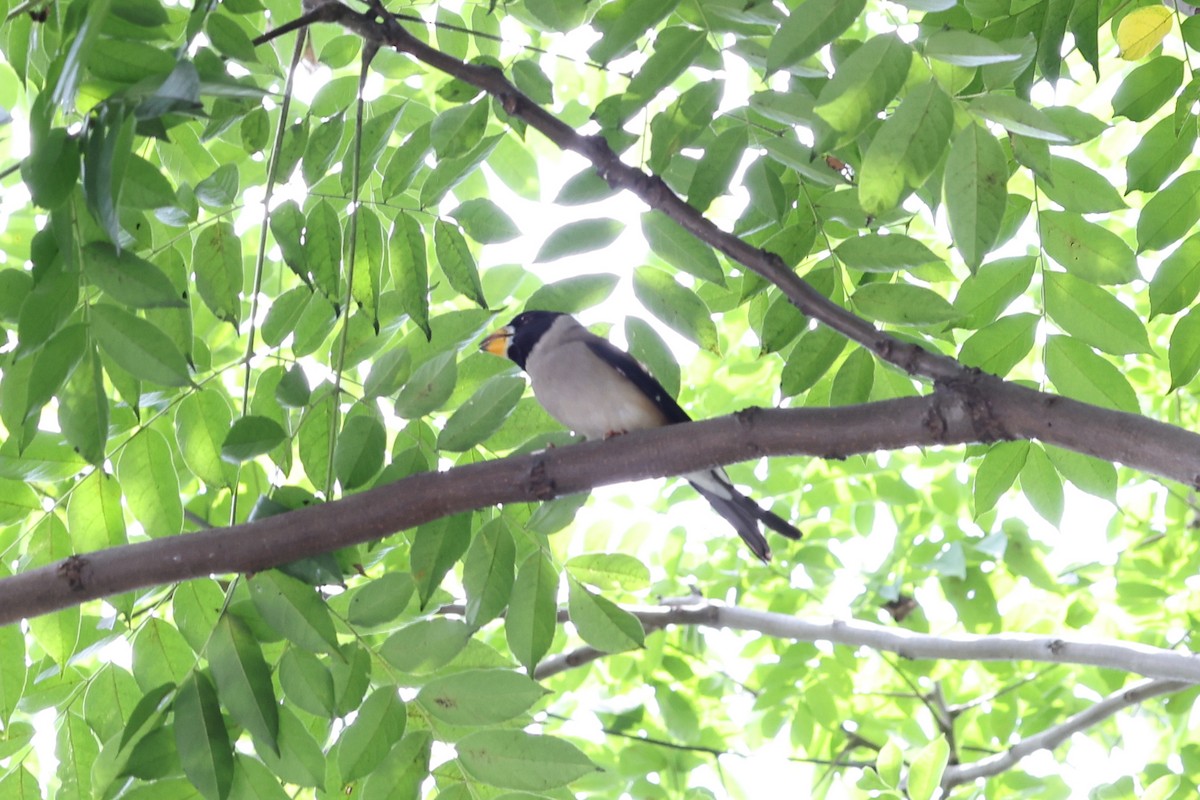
(952, 415)
(1054, 736)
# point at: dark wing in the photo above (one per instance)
(628, 366)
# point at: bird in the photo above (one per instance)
(598, 390)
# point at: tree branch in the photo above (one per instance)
(954, 414)
(1152, 662)
(1054, 736)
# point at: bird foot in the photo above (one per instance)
(611, 434)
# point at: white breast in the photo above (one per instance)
(585, 394)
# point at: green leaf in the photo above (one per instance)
(482, 414)
(808, 29)
(456, 261)
(51, 171)
(437, 547)
(479, 697)
(906, 149)
(925, 774)
(622, 23)
(54, 364)
(380, 600)
(716, 167)
(430, 386)
(18, 501)
(359, 452)
(1042, 485)
(680, 249)
(903, 304)
(889, 762)
(522, 761)
(202, 424)
(649, 348)
(1086, 249)
(294, 610)
(251, 436)
(425, 646)
(813, 355)
(583, 188)
(680, 308)
(229, 38)
(365, 742)
(782, 323)
(984, 295)
(138, 346)
(95, 518)
(964, 49)
(853, 381)
(1089, 474)
(976, 177)
(244, 679)
(485, 222)
(219, 190)
(147, 472)
(488, 572)
(1170, 214)
(1078, 372)
(1147, 88)
(683, 122)
(997, 472)
(127, 61)
(675, 49)
(144, 186)
(129, 280)
(202, 739)
(1001, 345)
(532, 611)
(530, 79)
(323, 249)
(610, 571)
(456, 131)
(1092, 314)
(1018, 116)
(306, 682)
(1183, 353)
(1079, 188)
(864, 83)
(1158, 154)
(1176, 282)
(410, 272)
(217, 260)
(602, 623)
(557, 15)
(578, 237)
(574, 294)
(875, 253)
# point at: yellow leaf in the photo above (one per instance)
(1143, 30)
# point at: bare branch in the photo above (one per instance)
(1152, 662)
(1054, 736)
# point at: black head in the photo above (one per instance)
(517, 339)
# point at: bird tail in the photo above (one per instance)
(741, 512)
